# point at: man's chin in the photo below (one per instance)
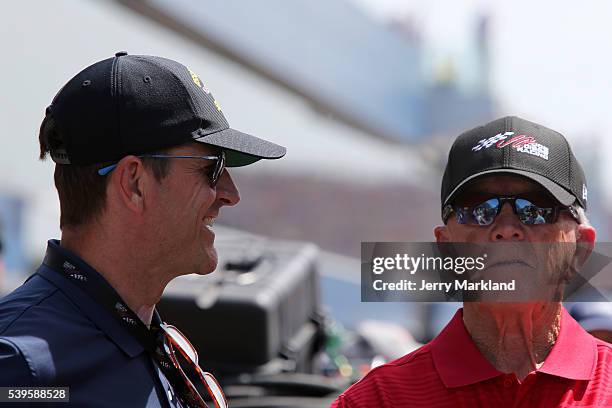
(205, 271)
(209, 263)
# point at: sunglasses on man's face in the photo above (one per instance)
(530, 210)
(184, 358)
(213, 175)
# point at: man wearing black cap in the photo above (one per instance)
(141, 149)
(510, 181)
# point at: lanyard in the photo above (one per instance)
(93, 284)
(80, 274)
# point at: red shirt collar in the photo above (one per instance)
(574, 354)
(459, 362)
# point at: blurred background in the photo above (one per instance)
(367, 95)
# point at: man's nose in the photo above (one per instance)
(507, 226)
(227, 192)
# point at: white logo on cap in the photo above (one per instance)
(521, 143)
(584, 192)
(486, 143)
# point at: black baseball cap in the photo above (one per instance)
(133, 104)
(515, 146)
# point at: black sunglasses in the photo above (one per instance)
(485, 212)
(213, 176)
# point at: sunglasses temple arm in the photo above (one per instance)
(105, 170)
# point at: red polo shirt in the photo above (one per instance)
(450, 371)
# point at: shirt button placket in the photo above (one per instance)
(522, 394)
(508, 383)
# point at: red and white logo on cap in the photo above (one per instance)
(521, 143)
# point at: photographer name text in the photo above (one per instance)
(424, 285)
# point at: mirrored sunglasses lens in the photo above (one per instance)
(531, 214)
(215, 390)
(484, 214)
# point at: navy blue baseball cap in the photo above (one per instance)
(133, 104)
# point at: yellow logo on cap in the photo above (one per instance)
(195, 78)
(218, 105)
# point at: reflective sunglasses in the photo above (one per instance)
(213, 176)
(184, 358)
(530, 211)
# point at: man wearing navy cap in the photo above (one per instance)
(512, 182)
(141, 149)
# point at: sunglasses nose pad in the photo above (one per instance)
(507, 208)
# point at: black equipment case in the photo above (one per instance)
(257, 313)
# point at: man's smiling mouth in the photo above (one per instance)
(209, 221)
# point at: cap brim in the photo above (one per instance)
(562, 195)
(242, 149)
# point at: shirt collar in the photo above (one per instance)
(459, 362)
(456, 357)
(88, 306)
(574, 354)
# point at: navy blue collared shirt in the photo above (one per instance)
(53, 334)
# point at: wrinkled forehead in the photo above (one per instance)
(503, 185)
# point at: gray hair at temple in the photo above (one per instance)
(582, 217)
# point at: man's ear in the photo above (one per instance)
(586, 234)
(129, 183)
(442, 233)
(585, 242)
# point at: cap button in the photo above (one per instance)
(121, 53)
